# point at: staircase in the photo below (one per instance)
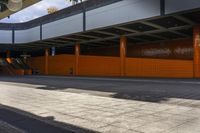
(14, 67)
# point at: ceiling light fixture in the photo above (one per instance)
(14, 5)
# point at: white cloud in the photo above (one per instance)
(35, 11)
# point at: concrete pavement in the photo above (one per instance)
(113, 106)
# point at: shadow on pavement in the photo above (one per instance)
(31, 123)
(150, 90)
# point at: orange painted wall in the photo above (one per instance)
(61, 64)
(19, 72)
(37, 63)
(28, 72)
(110, 66)
(166, 59)
(99, 66)
(58, 65)
(140, 67)
(177, 49)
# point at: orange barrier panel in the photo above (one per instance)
(28, 72)
(99, 66)
(61, 65)
(139, 67)
(19, 72)
(110, 66)
(37, 63)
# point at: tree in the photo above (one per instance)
(52, 9)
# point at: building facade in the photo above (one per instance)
(128, 38)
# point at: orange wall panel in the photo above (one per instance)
(58, 65)
(110, 66)
(37, 63)
(61, 65)
(140, 67)
(99, 66)
(28, 72)
(19, 72)
(177, 49)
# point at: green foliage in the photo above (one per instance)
(3, 1)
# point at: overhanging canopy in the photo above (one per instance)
(5, 12)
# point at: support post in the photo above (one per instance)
(77, 54)
(123, 42)
(196, 46)
(46, 69)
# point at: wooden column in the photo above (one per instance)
(77, 54)
(196, 46)
(123, 41)
(46, 69)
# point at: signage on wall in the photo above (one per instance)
(53, 51)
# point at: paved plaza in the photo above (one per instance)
(39, 104)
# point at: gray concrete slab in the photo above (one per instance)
(106, 105)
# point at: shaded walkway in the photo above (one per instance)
(150, 90)
(18, 121)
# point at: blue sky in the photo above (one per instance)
(35, 11)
